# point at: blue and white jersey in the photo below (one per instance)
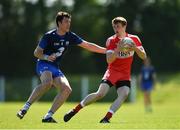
(147, 73)
(52, 43)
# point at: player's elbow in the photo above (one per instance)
(144, 56)
(35, 53)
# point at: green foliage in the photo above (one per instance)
(160, 21)
(22, 23)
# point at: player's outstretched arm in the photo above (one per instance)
(92, 47)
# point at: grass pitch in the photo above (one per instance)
(130, 116)
(165, 115)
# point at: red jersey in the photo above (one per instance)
(120, 68)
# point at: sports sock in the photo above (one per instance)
(109, 114)
(78, 107)
(26, 106)
(49, 114)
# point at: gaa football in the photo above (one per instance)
(127, 40)
(126, 43)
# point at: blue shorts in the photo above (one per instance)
(45, 66)
(147, 86)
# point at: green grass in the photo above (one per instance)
(165, 115)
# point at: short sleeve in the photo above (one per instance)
(43, 42)
(109, 45)
(75, 39)
(137, 41)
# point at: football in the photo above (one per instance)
(126, 42)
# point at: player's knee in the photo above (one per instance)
(100, 95)
(126, 93)
(67, 89)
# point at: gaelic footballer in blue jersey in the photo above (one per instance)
(55, 45)
(49, 52)
(147, 81)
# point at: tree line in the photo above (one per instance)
(23, 22)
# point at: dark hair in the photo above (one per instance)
(119, 20)
(60, 16)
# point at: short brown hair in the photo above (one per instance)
(121, 20)
(60, 15)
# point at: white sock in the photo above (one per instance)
(82, 104)
(26, 106)
(111, 111)
(49, 114)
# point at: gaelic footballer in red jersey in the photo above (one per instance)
(118, 70)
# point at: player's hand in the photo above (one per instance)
(52, 57)
(132, 46)
(120, 46)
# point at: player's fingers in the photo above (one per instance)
(121, 45)
(132, 43)
(52, 58)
